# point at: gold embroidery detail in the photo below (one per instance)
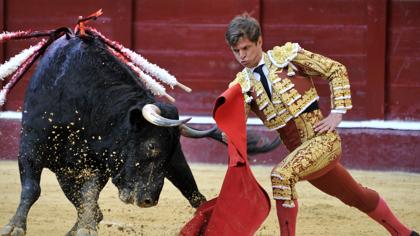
(332, 71)
(286, 101)
(283, 85)
(299, 106)
(313, 155)
(283, 106)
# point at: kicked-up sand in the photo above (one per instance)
(319, 214)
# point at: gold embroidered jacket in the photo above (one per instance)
(291, 69)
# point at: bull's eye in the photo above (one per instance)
(151, 146)
(152, 149)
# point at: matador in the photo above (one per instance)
(277, 86)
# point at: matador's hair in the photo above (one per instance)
(242, 26)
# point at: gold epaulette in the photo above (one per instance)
(281, 56)
(245, 83)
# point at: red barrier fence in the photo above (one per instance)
(377, 40)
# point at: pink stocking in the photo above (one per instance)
(384, 216)
(287, 218)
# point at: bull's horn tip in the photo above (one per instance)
(187, 119)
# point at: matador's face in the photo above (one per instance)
(248, 53)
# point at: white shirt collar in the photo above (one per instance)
(259, 63)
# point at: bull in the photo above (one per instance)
(87, 118)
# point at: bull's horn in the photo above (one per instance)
(152, 114)
(193, 133)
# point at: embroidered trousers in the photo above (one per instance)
(315, 157)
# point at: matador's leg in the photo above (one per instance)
(314, 157)
(339, 183)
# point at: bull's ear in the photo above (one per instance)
(135, 117)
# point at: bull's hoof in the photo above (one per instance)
(197, 199)
(10, 230)
(86, 232)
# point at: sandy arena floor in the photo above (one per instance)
(319, 214)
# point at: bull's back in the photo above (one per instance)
(62, 73)
(58, 101)
(79, 90)
(73, 77)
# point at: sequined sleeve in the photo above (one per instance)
(334, 72)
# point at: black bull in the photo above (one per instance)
(83, 120)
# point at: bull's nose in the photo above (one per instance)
(146, 202)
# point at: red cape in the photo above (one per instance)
(242, 205)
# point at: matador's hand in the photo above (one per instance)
(329, 123)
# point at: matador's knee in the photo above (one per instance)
(283, 182)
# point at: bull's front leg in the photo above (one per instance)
(87, 211)
(30, 174)
(179, 173)
(83, 192)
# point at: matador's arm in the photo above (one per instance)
(332, 71)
